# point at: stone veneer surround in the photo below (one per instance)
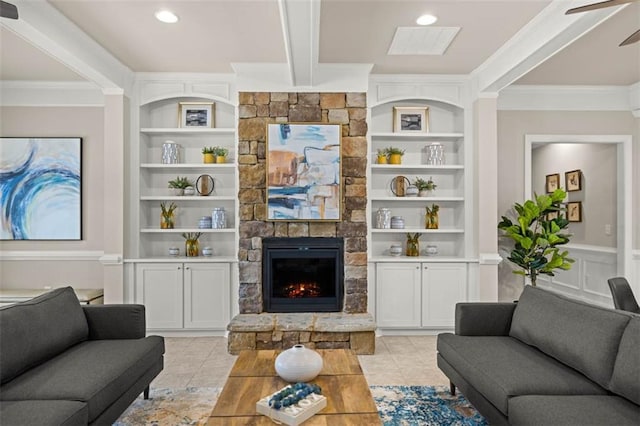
(353, 327)
(258, 109)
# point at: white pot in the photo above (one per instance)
(298, 364)
(175, 192)
(425, 193)
(189, 190)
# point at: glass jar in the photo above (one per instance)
(435, 154)
(218, 218)
(167, 220)
(383, 218)
(413, 245)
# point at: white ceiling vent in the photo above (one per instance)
(422, 40)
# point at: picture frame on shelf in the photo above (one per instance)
(304, 173)
(410, 119)
(43, 196)
(573, 180)
(196, 114)
(574, 211)
(552, 182)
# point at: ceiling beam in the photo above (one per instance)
(45, 27)
(301, 31)
(545, 35)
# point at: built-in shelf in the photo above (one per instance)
(181, 230)
(406, 166)
(188, 166)
(430, 259)
(187, 130)
(417, 136)
(196, 198)
(417, 199)
(183, 259)
(414, 230)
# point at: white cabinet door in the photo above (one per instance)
(443, 285)
(159, 289)
(398, 294)
(206, 295)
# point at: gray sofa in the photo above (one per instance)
(545, 360)
(66, 364)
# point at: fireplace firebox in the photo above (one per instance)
(302, 274)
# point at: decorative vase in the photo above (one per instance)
(413, 245)
(382, 159)
(176, 192)
(189, 190)
(167, 221)
(298, 364)
(425, 193)
(395, 159)
(191, 247)
(395, 250)
(411, 191)
(221, 159)
(209, 158)
(383, 218)
(431, 220)
(174, 251)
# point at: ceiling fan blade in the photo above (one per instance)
(595, 6)
(8, 10)
(633, 38)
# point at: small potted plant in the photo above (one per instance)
(431, 216)
(425, 187)
(221, 154)
(167, 216)
(382, 156)
(177, 185)
(395, 155)
(208, 154)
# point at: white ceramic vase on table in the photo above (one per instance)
(298, 364)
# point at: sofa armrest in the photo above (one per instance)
(484, 319)
(115, 321)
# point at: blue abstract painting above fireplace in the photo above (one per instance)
(40, 188)
(303, 172)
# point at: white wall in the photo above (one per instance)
(76, 262)
(598, 164)
(512, 128)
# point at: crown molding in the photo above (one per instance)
(570, 98)
(50, 93)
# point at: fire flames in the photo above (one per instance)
(298, 290)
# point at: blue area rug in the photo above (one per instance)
(397, 405)
(424, 405)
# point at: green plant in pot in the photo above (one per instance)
(208, 154)
(537, 231)
(178, 185)
(395, 155)
(221, 154)
(382, 156)
(425, 186)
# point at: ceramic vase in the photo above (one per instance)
(395, 159)
(221, 159)
(208, 158)
(298, 364)
(382, 159)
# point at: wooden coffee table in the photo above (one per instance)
(253, 376)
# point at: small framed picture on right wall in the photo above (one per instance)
(573, 180)
(574, 211)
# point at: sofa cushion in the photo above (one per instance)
(500, 367)
(34, 331)
(626, 373)
(582, 336)
(43, 413)
(575, 410)
(96, 372)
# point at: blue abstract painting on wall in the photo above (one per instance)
(40, 188)
(303, 172)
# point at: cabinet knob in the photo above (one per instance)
(426, 267)
(186, 268)
(179, 267)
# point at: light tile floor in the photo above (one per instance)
(204, 362)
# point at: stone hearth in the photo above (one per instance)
(314, 330)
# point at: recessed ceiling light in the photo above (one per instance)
(426, 20)
(166, 16)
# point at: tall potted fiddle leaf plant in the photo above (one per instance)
(537, 231)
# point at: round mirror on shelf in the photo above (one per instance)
(204, 185)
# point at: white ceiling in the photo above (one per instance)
(213, 34)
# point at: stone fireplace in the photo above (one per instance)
(255, 328)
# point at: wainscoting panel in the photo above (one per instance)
(587, 279)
